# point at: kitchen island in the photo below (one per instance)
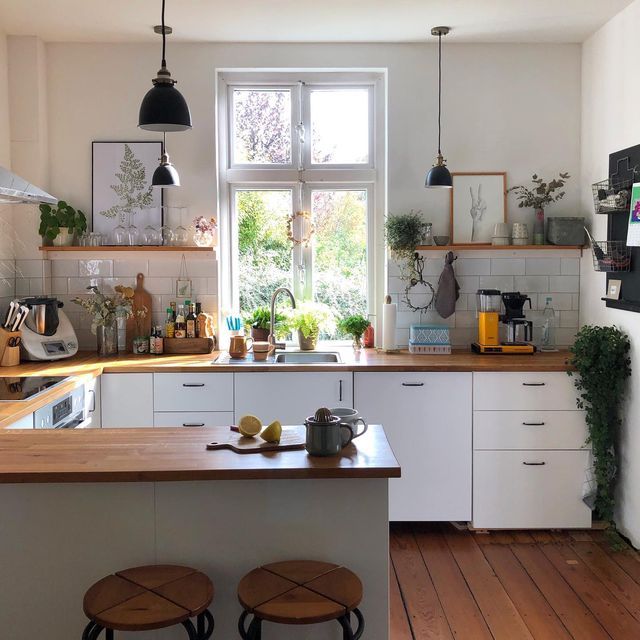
(81, 504)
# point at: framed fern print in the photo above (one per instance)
(122, 194)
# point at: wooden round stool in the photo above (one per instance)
(151, 597)
(300, 592)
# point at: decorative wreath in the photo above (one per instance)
(306, 237)
(418, 279)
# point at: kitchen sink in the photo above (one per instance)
(286, 357)
(307, 357)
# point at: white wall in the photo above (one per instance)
(610, 121)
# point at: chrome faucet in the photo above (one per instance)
(272, 321)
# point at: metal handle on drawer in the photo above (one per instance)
(534, 384)
(533, 424)
(534, 464)
(340, 392)
(93, 401)
(193, 384)
(413, 384)
(193, 424)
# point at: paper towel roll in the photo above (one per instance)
(389, 315)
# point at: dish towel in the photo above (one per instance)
(448, 288)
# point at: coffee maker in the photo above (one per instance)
(489, 304)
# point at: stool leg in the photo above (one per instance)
(360, 630)
(109, 634)
(208, 618)
(191, 630)
(88, 629)
(347, 633)
(255, 629)
(95, 632)
(241, 626)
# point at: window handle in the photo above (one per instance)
(340, 392)
(533, 424)
(534, 464)
(534, 384)
(413, 384)
(193, 424)
(193, 384)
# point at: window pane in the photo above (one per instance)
(340, 126)
(264, 250)
(340, 250)
(262, 126)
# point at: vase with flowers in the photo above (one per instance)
(141, 340)
(204, 231)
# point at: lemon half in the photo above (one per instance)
(273, 433)
(249, 426)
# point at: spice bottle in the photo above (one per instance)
(169, 325)
(181, 325)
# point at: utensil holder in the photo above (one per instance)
(9, 355)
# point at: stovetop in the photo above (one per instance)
(18, 389)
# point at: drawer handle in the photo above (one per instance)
(193, 424)
(534, 384)
(413, 384)
(193, 384)
(533, 424)
(340, 393)
(534, 464)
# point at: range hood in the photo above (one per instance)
(16, 190)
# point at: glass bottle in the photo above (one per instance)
(152, 341)
(169, 325)
(368, 338)
(159, 341)
(191, 321)
(548, 342)
(181, 325)
(198, 319)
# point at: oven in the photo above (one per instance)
(67, 412)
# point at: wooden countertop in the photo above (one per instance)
(88, 365)
(175, 454)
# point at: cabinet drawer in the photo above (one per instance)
(193, 418)
(523, 391)
(530, 489)
(193, 392)
(529, 430)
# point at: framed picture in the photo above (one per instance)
(122, 193)
(478, 202)
(613, 289)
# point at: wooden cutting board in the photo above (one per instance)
(141, 299)
(293, 439)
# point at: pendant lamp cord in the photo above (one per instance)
(164, 38)
(439, 89)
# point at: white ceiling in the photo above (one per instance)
(308, 20)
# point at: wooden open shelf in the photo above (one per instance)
(128, 248)
(499, 247)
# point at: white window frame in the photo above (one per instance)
(371, 177)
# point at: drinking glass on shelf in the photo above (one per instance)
(150, 236)
(120, 236)
(168, 236)
(180, 236)
(84, 239)
(95, 239)
(133, 235)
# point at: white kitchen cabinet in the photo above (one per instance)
(290, 397)
(193, 391)
(26, 422)
(428, 421)
(127, 399)
(92, 402)
(193, 418)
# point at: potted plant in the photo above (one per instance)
(309, 319)
(601, 359)
(537, 197)
(59, 224)
(404, 232)
(259, 321)
(354, 326)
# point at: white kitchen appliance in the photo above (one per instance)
(47, 333)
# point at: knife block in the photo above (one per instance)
(9, 356)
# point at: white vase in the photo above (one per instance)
(64, 238)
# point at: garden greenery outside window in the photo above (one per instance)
(287, 146)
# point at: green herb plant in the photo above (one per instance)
(52, 219)
(354, 326)
(260, 318)
(541, 193)
(600, 356)
(310, 318)
(405, 231)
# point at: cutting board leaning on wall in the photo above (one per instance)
(141, 299)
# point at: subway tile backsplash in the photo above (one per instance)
(541, 276)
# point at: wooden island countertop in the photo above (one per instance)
(175, 454)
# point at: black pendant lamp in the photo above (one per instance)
(165, 175)
(439, 175)
(164, 108)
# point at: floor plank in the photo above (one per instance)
(532, 606)
(524, 537)
(627, 559)
(461, 610)
(574, 614)
(398, 623)
(612, 615)
(498, 610)
(426, 616)
(581, 536)
(542, 537)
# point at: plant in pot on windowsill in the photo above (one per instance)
(59, 224)
(537, 197)
(309, 319)
(258, 323)
(354, 326)
(601, 358)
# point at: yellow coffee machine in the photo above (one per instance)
(489, 306)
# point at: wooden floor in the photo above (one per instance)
(511, 585)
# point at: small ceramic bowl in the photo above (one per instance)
(441, 241)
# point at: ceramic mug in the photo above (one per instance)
(261, 350)
(238, 347)
(351, 418)
(326, 438)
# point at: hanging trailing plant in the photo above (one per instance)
(405, 231)
(601, 359)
